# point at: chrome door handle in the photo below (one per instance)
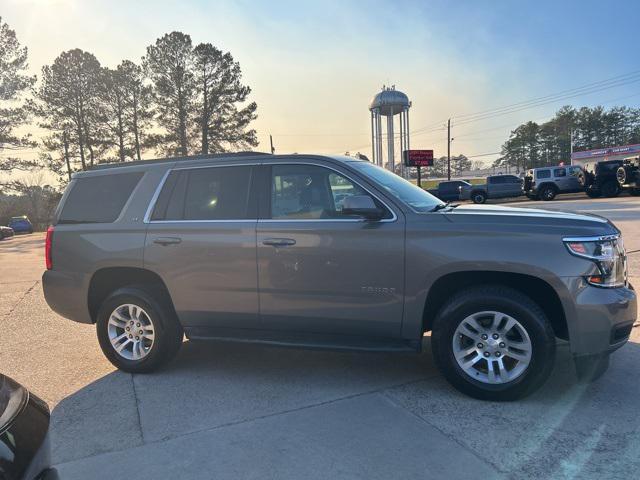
(279, 242)
(164, 241)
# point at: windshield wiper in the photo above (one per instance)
(441, 206)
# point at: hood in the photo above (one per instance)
(533, 218)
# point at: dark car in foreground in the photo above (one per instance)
(21, 224)
(24, 441)
(333, 252)
(6, 232)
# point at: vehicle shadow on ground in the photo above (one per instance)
(563, 430)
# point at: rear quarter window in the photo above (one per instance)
(544, 173)
(98, 199)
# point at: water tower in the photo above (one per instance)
(389, 103)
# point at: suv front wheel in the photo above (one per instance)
(548, 192)
(138, 330)
(493, 343)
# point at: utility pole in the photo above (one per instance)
(449, 149)
(273, 150)
(571, 146)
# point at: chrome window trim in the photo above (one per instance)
(602, 238)
(154, 198)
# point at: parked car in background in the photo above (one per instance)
(21, 224)
(5, 232)
(545, 183)
(497, 186)
(628, 175)
(24, 441)
(601, 179)
(449, 191)
(333, 252)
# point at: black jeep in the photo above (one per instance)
(628, 175)
(601, 180)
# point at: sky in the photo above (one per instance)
(314, 66)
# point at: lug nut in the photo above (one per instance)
(502, 345)
(480, 345)
(498, 354)
(484, 336)
(486, 354)
(137, 338)
(130, 336)
(137, 324)
(127, 329)
(140, 332)
(495, 336)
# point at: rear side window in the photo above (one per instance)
(497, 180)
(544, 173)
(98, 199)
(217, 193)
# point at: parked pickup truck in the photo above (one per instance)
(332, 252)
(497, 186)
(449, 191)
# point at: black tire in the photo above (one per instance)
(548, 193)
(593, 193)
(478, 197)
(167, 329)
(510, 302)
(635, 192)
(610, 189)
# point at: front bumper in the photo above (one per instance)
(602, 318)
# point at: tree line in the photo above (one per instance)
(179, 99)
(534, 145)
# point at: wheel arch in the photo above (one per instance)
(539, 290)
(108, 279)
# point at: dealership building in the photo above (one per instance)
(591, 157)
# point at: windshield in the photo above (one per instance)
(415, 197)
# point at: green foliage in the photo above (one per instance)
(532, 145)
(13, 84)
(220, 124)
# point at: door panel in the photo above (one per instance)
(201, 240)
(329, 275)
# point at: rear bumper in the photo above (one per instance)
(602, 320)
(66, 294)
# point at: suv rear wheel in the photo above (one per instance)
(137, 330)
(493, 343)
(479, 197)
(611, 188)
(548, 192)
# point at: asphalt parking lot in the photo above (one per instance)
(246, 411)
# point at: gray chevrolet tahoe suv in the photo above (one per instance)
(332, 252)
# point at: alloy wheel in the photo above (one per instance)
(492, 347)
(131, 332)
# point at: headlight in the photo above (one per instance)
(607, 253)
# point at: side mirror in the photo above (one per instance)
(363, 206)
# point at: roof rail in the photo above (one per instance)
(102, 166)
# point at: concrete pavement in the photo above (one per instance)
(246, 411)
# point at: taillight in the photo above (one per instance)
(47, 248)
